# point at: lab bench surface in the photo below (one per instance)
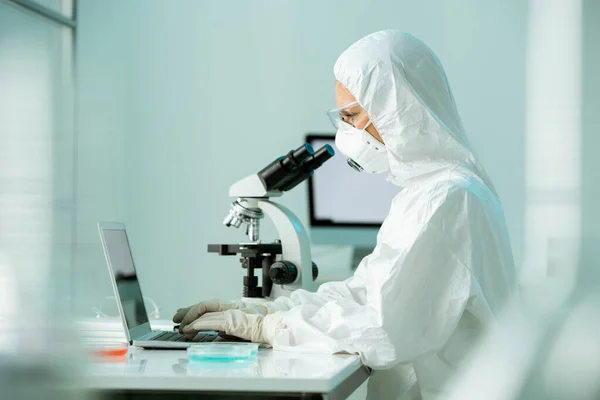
(162, 374)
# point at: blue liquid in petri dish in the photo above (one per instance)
(219, 359)
(222, 353)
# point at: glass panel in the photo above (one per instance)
(553, 143)
(36, 182)
(64, 7)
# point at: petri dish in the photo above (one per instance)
(222, 352)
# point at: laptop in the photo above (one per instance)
(129, 295)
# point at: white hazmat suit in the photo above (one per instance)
(442, 267)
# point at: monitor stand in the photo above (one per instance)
(358, 253)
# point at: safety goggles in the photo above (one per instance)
(347, 113)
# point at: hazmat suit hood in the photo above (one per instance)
(402, 86)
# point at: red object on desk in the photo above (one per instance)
(118, 349)
(110, 352)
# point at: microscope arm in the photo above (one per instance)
(251, 186)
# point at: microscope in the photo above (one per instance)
(286, 263)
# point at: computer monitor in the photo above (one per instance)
(347, 207)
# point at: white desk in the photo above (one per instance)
(165, 374)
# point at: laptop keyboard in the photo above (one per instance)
(178, 337)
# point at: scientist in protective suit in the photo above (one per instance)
(442, 268)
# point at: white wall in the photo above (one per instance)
(102, 97)
(180, 99)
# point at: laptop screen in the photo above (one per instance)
(121, 262)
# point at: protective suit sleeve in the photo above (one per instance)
(352, 289)
(415, 286)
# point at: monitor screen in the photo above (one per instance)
(342, 196)
(121, 263)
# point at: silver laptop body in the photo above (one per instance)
(129, 295)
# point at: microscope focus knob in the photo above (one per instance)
(283, 272)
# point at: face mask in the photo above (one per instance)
(364, 152)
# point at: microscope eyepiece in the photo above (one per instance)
(295, 158)
(285, 167)
(318, 159)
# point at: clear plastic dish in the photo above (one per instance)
(222, 352)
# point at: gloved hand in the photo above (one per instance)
(185, 316)
(254, 327)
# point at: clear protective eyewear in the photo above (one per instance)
(347, 113)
